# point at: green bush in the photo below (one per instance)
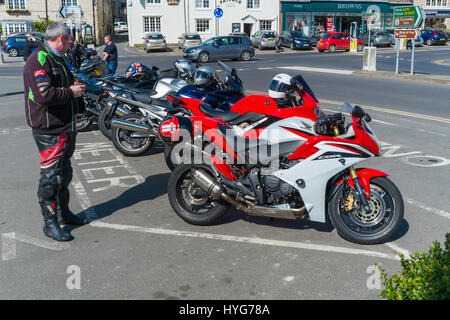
(41, 26)
(424, 276)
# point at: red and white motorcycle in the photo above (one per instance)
(290, 171)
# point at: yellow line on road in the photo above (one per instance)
(385, 110)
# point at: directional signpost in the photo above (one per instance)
(407, 17)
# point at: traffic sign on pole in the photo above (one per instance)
(406, 33)
(218, 12)
(408, 17)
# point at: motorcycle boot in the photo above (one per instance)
(49, 184)
(64, 214)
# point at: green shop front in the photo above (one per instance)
(311, 17)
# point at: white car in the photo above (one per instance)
(120, 26)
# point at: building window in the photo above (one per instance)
(202, 4)
(16, 27)
(253, 4)
(202, 25)
(153, 1)
(16, 4)
(69, 2)
(265, 24)
(152, 24)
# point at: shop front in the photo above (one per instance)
(329, 16)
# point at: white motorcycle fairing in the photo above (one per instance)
(311, 175)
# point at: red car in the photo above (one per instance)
(337, 41)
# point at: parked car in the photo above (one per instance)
(378, 38)
(295, 40)
(240, 34)
(187, 40)
(337, 41)
(154, 40)
(15, 43)
(316, 37)
(120, 26)
(264, 39)
(431, 36)
(224, 47)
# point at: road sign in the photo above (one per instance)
(68, 12)
(218, 12)
(406, 34)
(369, 15)
(408, 17)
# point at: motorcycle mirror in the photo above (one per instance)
(234, 72)
(367, 118)
(296, 84)
(358, 112)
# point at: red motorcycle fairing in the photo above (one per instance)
(362, 138)
(223, 168)
(364, 177)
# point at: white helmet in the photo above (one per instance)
(278, 86)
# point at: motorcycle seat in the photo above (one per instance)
(146, 99)
(225, 116)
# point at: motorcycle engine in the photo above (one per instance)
(278, 191)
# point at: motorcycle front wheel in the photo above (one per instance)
(354, 224)
(126, 143)
(104, 123)
(191, 203)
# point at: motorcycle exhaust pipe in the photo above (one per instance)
(210, 185)
(121, 111)
(131, 126)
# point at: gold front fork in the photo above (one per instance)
(352, 171)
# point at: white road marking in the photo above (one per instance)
(323, 70)
(259, 241)
(9, 244)
(439, 212)
(397, 249)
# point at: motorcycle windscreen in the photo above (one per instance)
(306, 87)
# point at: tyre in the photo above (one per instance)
(321, 50)
(189, 201)
(332, 48)
(292, 46)
(13, 52)
(203, 57)
(245, 56)
(128, 145)
(171, 164)
(429, 42)
(104, 123)
(384, 219)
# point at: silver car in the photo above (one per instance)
(264, 39)
(188, 40)
(154, 40)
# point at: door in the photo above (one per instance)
(235, 47)
(337, 41)
(345, 41)
(248, 28)
(220, 49)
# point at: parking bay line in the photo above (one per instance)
(249, 240)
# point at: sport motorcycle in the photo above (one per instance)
(296, 169)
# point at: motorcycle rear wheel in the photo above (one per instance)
(354, 225)
(83, 122)
(104, 123)
(127, 145)
(189, 201)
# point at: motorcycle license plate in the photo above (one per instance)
(306, 45)
(385, 41)
(271, 41)
(442, 39)
(98, 72)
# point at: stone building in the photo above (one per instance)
(437, 13)
(96, 15)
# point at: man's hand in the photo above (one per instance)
(78, 90)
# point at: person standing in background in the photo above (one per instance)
(30, 46)
(110, 54)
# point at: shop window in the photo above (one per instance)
(152, 24)
(202, 25)
(265, 24)
(202, 4)
(16, 4)
(253, 4)
(16, 27)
